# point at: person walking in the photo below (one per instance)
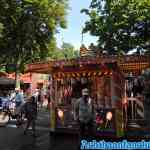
(40, 98)
(48, 95)
(36, 94)
(19, 101)
(30, 110)
(84, 114)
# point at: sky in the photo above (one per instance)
(75, 22)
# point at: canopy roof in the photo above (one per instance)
(24, 78)
(73, 65)
(3, 74)
(127, 64)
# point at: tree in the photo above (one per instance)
(28, 29)
(67, 51)
(120, 25)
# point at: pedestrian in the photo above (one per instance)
(40, 100)
(36, 94)
(30, 110)
(84, 114)
(19, 101)
(48, 97)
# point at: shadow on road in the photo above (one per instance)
(63, 142)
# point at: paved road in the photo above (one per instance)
(42, 123)
(12, 138)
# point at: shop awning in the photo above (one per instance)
(6, 81)
(25, 78)
(3, 74)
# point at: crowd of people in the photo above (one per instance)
(27, 105)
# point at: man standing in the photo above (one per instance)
(19, 97)
(48, 97)
(30, 110)
(36, 94)
(19, 100)
(84, 113)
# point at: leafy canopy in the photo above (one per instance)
(27, 28)
(120, 25)
(67, 51)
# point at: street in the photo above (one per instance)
(12, 138)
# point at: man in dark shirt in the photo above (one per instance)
(30, 110)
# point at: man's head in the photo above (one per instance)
(85, 92)
(17, 90)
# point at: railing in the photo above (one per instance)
(135, 108)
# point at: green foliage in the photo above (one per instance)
(120, 25)
(2, 69)
(27, 29)
(67, 51)
(1, 29)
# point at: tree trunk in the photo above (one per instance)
(17, 76)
